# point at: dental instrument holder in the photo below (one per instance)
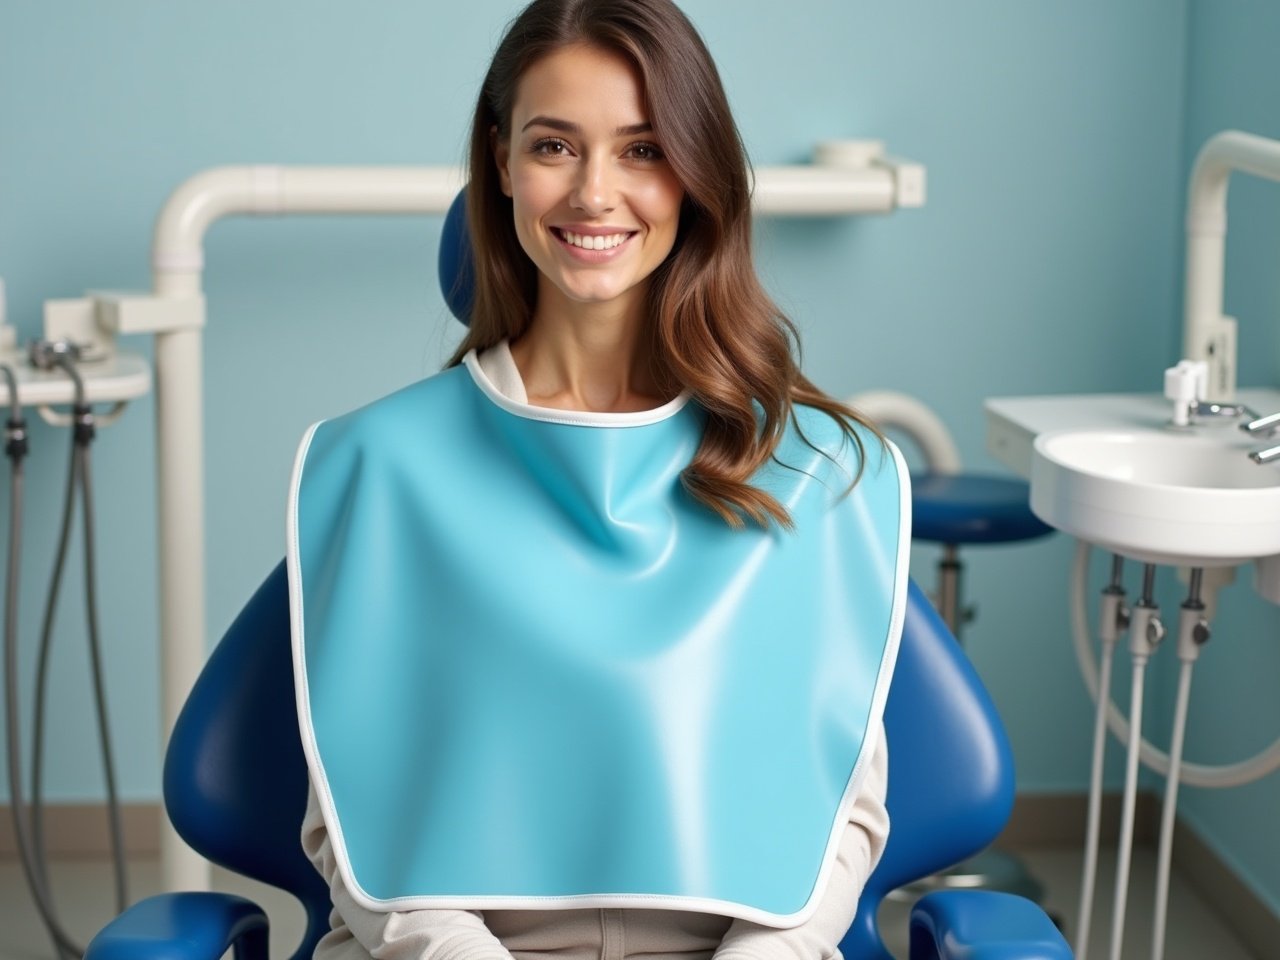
(46, 357)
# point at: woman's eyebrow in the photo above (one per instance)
(565, 126)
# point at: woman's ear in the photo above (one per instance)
(501, 155)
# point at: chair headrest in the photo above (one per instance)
(456, 262)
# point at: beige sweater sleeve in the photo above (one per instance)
(357, 932)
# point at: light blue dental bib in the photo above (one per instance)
(533, 673)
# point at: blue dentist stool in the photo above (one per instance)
(951, 507)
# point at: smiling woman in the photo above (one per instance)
(645, 92)
(617, 693)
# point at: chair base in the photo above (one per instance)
(988, 870)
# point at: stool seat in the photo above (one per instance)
(972, 508)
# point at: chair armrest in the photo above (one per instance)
(184, 926)
(983, 925)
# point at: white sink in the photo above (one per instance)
(1189, 498)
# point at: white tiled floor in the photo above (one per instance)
(83, 890)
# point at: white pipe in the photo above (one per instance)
(816, 190)
(1109, 621)
(807, 190)
(1125, 850)
(180, 491)
(888, 408)
(1207, 334)
(1093, 830)
(272, 190)
(1164, 862)
(1196, 774)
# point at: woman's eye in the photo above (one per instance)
(551, 147)
(644, 151)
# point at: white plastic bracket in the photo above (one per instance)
(74, 320)
(144, 313)
(1220, 383)
(908, 179)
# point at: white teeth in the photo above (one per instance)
(593, 243)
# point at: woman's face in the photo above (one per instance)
(596, 204)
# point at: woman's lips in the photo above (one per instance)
(592, 247)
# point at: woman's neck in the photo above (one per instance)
(587, 357)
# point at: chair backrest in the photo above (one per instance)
(950, 767)
(235, 780)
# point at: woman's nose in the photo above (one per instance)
(594, 191)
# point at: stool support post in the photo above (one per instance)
(950, 571)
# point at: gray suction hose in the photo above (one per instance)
(16, 450)
(79, 476)
(30, 833)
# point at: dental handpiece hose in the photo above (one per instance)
(1145, 633)
(1193, 634)
(16, 448)
(79, 477)
(1113, 620)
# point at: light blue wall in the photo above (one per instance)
(1047, 259)
(1232, 78)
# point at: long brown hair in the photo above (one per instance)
(715, 332)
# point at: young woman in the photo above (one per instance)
(593, 630)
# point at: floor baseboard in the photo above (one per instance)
(81, 831)
(1058, 820)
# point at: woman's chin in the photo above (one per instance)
(588, 295)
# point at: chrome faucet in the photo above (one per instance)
(1208, 410)
(1263, 427)
(1184, 385)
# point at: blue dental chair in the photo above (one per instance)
(235, 786)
